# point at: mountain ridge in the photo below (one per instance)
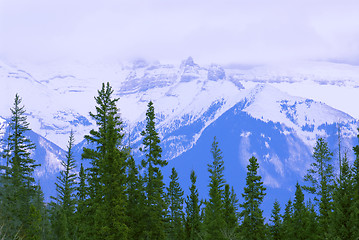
(190, 101)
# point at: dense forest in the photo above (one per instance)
(115, 198)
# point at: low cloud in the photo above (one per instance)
(210, 31)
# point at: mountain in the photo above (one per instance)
(253, 110)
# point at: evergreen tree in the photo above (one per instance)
(288, 229)
(18, 191)
(193, 211)
(253, 221)
(312, 222)
(81, 208)
(214, 211)
(320, 178)
(355, 207)
(65, 199)
(230, 206)
(300, 215)
(107, 175)
(341, 220)
(135, 202)
(154, 188)
(276, 226)
(39, 204)
(175, 201)
(33, 231)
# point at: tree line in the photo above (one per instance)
(115, 198)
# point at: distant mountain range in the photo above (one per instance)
(249, 108)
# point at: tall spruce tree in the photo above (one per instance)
(230, 208)
(355, 207)
(287, 231)
(135, 202)
(320, 178)
(299, 221)
(193, 211)
(214, 211)
(154, 186)
(19, 215)
(253, 221)
(81, 215)
(342, 224)
(275, 228)
(41, 206)
(65, 200)
(312, 221)
(107, 175)
(175, 203)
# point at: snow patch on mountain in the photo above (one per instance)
(304, 116)
(59, 99)
(3, 126)
(321, 72)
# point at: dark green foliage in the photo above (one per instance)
(18, 214)
(321, 169)
(65, 200)
(193, 209)
(20, 167)
(275, 228)
(325, 207)
(288, 229)
(115, 200)
(135, 202)
(321, 182)
(33, 231)
(355, 207)
(106, 177)
(230, 207)
(342, 222)
(299, 219)
(312, 221)
(154, 186)
(81, 208)
(59, 224)
(214, 211)
(45, 225)
(253, 221)
(175, 203)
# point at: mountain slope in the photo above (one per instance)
(242, 106)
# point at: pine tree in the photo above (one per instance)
(299, 219)
(193, 211)
(33, 231)
(175, 203)
(320, 178)
(276, 226)
(135, 202)
(154, 188)
(253, 221)
(107, 175)
(214, 211)
(312, 222)
(17, 180)
(355, 207)
(39, 204)
(288, 229)
(341, 219)
(65, 199)
(230, 207)
(81, 215)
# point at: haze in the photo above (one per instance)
(224, 32)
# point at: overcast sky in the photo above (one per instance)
(170, 30)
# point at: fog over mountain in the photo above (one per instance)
(253, 110)
(267, 79)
